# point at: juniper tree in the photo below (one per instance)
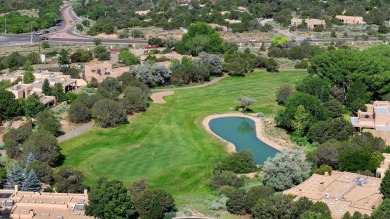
(30, 158)
(31, 183)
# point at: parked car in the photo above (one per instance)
(307, 39)
(64, 66)
(38, 33)
(74, 18)
(46, 32)
(252, 40)
(44, 38)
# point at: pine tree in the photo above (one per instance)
(14, 177)
(31, 183)
(28, 77)
(46, 89)
(385, 185)
(30, 158)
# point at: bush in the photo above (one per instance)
(108, 113)
(323, 169)
(42, 170)
(240, 162)
(226, 190)
(236, 202)
(226, 178)
(45, 45)
(256, 193)
(284, 92)
(274, 207)
(78, 112)
(69, 181)
(153, 203)
(302, 64)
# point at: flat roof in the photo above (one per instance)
(381, 110)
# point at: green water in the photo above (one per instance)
(242, 133)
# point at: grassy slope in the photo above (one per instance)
(184, 153)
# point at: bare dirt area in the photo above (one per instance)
(159, 96)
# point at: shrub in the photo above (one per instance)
(240, 162)
(236, 202)
(226, 190)
(284, 92)
(274, 207)
(108, 113)
(153, 203)
(302, 64)
(79, 112)
(256, 193)
(226, 178)
(323, 169)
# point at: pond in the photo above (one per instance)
(242, 133)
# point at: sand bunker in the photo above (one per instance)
(158, 97)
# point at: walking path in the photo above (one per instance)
(158, 97)
(75, 132)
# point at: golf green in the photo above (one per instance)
(167, 143)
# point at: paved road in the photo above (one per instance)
(76, 132)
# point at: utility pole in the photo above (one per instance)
(5, 25)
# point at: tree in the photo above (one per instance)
(63, 59)
(301, 121)
(97, 41)
(225, 178)
(333, 34)
(272, 65)
(245, 102)
(240, 162)
(360, 160)
(357, 96)
(327, 154)
(337, 128)
(151, 74)
(3, 174)
(28, 77)
(108, 113)
(30, 158)
(383, 211)
(33, 105)
(385, 185)
(14, 177)
(284, 92)
(236, 202)
(213, 62)
(42, 170)
(334, 107)
(315, 86)
(274, 207)
(58, 92)
(149, 209)
(109, 199)
(137, 188)
(48, 122)
(321, 209)
(12, 148)
(19, 135)
(256, 193)
(44, 147)
(312, 105)
(155, 41)
(279, 41)
(78, 112)
(109, 88)
(46, 89)
(128, 58)
(31, 183)
(303, 204)
(286, 169)
(69, 180)
(9, 106)
(134, 99)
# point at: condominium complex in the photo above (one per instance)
(350, 19)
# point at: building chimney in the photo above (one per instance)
(16, 188)
(31, 213)
(85, 191)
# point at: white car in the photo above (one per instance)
(38, 33)
(252, 40)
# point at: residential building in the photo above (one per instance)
(103, 70)
(350, 19)
(142, 13)
(375, 120)
(32, 205)
(13, 76)
(311, 23)
(21, 90)
(342, 191)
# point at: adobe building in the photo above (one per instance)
(102, 71)
(375, 120)
(311, 23)
(36, 205)
(342, 191)
(350, 19)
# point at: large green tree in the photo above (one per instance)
(110, 199)
(48, 122)
(32, 106)
(108, 113)
(149, 209)
(9, 106)
(69, 180)
(385, 185)
(274, 207)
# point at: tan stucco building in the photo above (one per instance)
(37, 205)
(350, 19)
(103, 70)
(311, 23)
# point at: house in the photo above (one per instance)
(342, 191)
(375, 120)
(350, 19)
(311, 23)
(233, 21)
(142, 13)
(31, 205)
(102, 71)
(21, 90)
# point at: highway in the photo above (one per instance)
(63, 33)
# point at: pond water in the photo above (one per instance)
(242, 133)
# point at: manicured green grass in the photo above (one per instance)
(184, 153)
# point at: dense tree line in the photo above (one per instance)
(48, 15)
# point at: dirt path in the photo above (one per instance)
(215, 80)
(75, 132)
(158, 97)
